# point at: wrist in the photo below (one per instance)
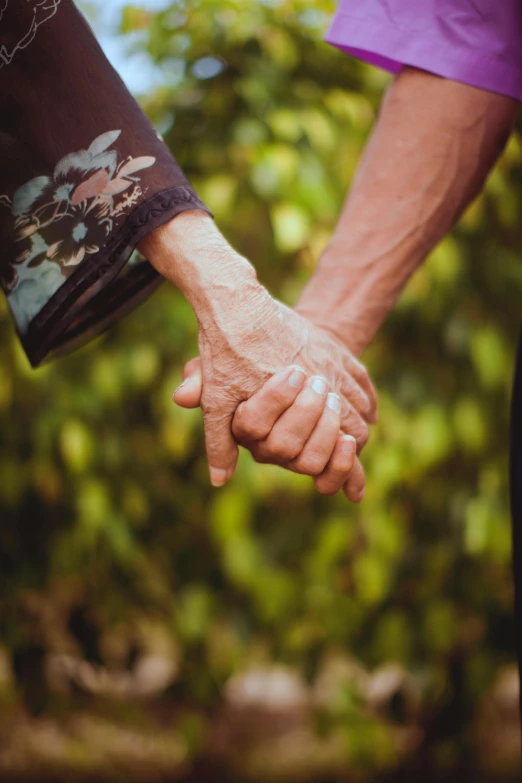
(341, 302)
(191, 253)
(347, 331)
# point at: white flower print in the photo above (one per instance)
(43, 10)
(61, 219)
(33, 289)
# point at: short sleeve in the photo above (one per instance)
(478, 42)
(84, 177)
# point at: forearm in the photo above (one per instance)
(218, 282)
(430, 152)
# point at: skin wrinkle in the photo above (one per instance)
(263, 330)
(245, 335)
(416, 228)
(419, 226)
(393, 217)
(446, 136)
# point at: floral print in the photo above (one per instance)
(61, 219)
(24, 27)
(33, 290)
(69, 232)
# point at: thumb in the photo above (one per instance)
(222, 450)
(188, 393)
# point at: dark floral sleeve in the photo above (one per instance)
(83, 178)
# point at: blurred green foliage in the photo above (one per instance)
(107, 513)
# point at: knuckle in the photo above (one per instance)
(361, 372)
(251, 426)
(354, 493)
(311, 464)
(340, 468)
(326, 487)
(275, 397)
(286, 446)
(258, 431)
(363, 404)
(358, 482)
(258, 456)
(238, 422)
(261, 452)
(265, 451)
(365, 375)
(340, 473)
(354, 486)
(356, 426)
(363, 436)
(357, 397)
(307, 401)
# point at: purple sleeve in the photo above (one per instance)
(478, 42)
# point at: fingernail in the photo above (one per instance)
(318, 384)
(360, 496)
(333, 401)
(182, 384)
(297, 378)
(218, 476)
(348, 444)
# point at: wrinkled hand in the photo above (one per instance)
(242, 345)
(245, 338)
(296, 416)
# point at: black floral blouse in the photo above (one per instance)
(83, 178)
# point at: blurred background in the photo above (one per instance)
(155, 629)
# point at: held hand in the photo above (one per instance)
(291, 411)
(249, 340)
(246, 336)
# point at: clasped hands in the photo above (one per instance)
(266, 378)
(292, 421)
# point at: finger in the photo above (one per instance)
(355, 483)
(188, 393)
(254, 418)
(361, 375)
(353, 393)
(222, 449)
(353, 424)
(338, 469)
(317, 450)
(291, 431)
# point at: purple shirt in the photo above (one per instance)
(478, 42)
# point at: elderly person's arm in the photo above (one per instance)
(245, 336)
(445, 120)
(85, 180)
(430, 152)
(432, 147)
